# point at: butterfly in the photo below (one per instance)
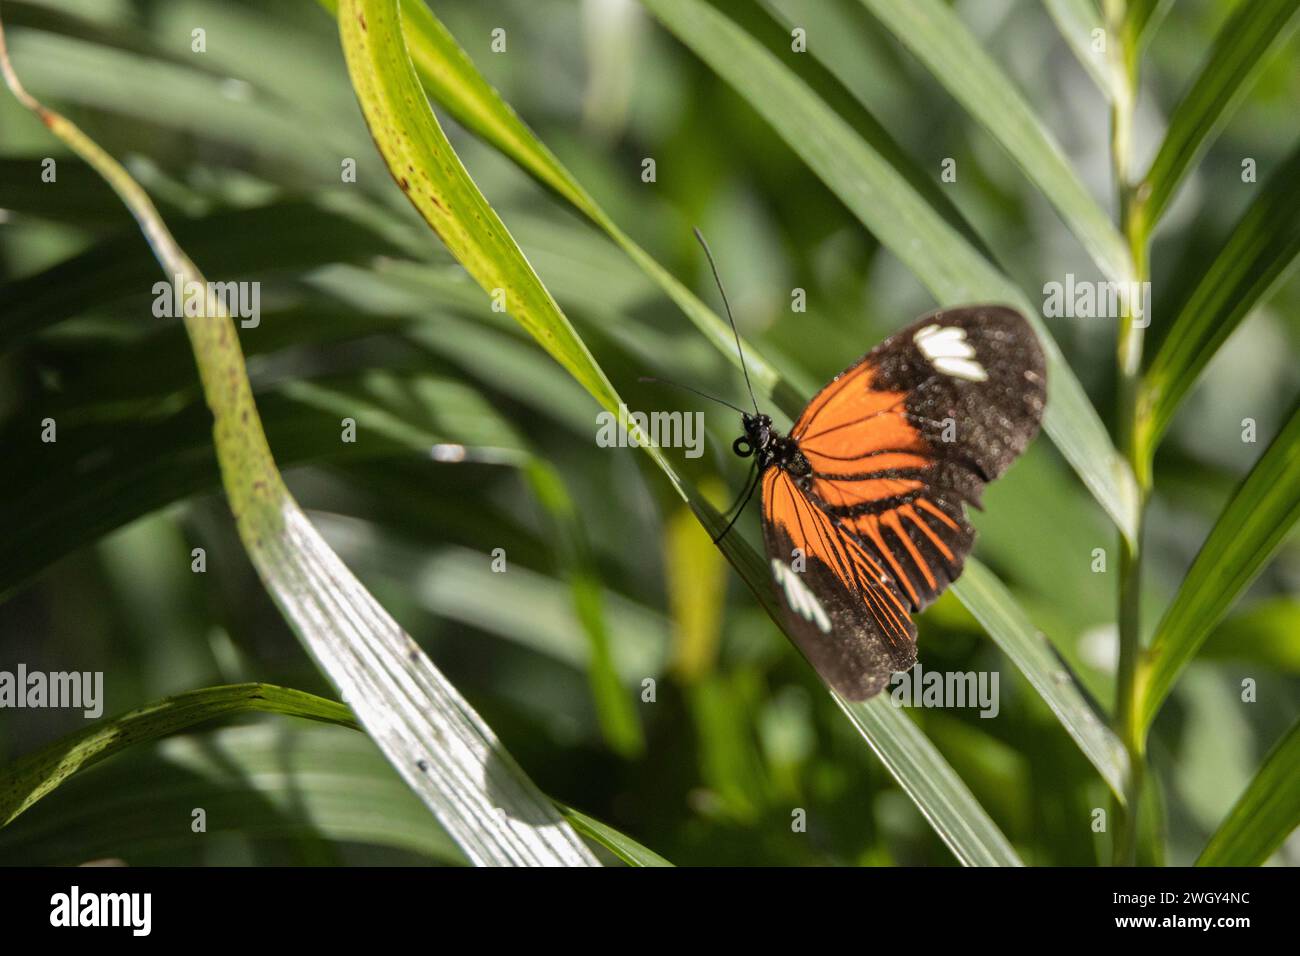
(863, 502)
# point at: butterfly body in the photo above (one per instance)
(863, 501)
(770, 448)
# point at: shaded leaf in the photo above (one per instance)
(31, 777)
(1241, 48)
(988, 599)
(1265, 814)
(939, 39)
(265, 781)
(1262, 512)
(1260, 251)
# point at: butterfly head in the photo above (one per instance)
(757, 437)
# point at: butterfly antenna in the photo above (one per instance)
(730, 318)
(666, 381)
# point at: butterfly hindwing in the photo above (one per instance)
(892, 449)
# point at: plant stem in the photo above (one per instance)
(1130, 197)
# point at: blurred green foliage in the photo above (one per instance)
(241, 147)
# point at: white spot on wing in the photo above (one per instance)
(948, 351)
(799, 597)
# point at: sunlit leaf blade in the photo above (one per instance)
(31, 777)
(272, 781)
(414, 146)
(1241, 48)
(452, 80)
(620, 844)
(1261, 250)
(1256, 521)
(994, 607)
(1265, 814)
(938, 792)
(939, 39)
(430, 734)
(1078, 21)
(874, 191)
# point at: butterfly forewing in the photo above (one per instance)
(894, 447)
(840, 605)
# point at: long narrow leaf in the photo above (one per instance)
(432, 736)
(31, 777)
(1257, 520)
(933, 786)
(452, 80)
(1266, 812)
(417, 151)
(1141, 17)
(939, 39)
(1240, 49)
(936, 253)
(987, 598)
(268, 781)
(1079, 21)
(288, 784)
(620, 844)
(1261, 250)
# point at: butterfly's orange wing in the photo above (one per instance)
(896, 445)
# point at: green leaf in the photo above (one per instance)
(993, 606)
(620, 844)
(415, 148)
(1252, 527)
(1141, 17)
(31, 777)
(452, 80)
(1260, 251)
(268, 781)
(1240, 50)
(1078, 20)
(881, 198)
(480, 796)
(933, 786)
(939, 39)
(1265, 814)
